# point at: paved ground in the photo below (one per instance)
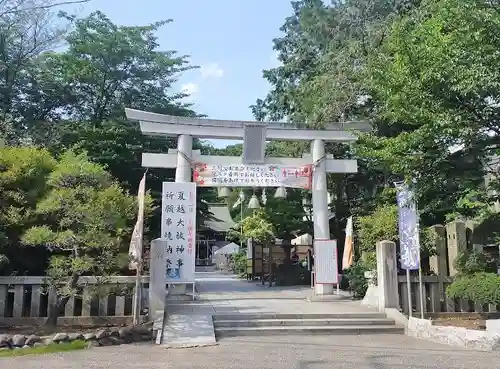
(223, 293)
(226, 294)
(342, 352)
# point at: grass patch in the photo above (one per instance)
(55, 347)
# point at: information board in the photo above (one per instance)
(178, 228)
(326, 270)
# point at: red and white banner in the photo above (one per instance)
(348, 257)
(267, 175)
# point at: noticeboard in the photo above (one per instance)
(326, 268)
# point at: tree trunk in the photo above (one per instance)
(55, 310)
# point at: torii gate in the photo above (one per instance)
(186, 128)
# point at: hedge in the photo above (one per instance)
(481, 288)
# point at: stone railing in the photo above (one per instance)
(26, 300)
(434, 296)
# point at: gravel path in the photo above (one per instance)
(283, 352)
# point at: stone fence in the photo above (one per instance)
(392, 292)
(450, 240)
(27, 300)
(435, 299)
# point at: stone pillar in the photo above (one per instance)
(457, 242)
(439, 265)
(184, 156)
(438, 262)
(470, 225)
(157, 277)
(320, 204)
(387, 275)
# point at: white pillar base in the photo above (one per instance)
(178, 289)
(323, 289)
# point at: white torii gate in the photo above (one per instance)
(186, 128)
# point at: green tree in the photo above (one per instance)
(322, 52)
(287, 215)
(116, 67)
(437, 90)
(107, 68)
(256, 226)
(23, 175)
(28, 28)
(85, 219)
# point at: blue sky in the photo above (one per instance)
(231, 40)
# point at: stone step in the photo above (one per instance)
(310, 322)
(274, 316)
(308, 330)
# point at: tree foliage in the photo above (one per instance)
(74, 98)
(424, 74)
(256, 226)
(23, 182)
(83, 219)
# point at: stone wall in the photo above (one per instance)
(487, 340)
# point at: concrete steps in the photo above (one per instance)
(232, 325)
(301, 322)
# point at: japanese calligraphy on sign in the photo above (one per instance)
(267, 175)
(409, 239)
(178, 221)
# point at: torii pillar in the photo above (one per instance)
(321, 217)
(184, 154)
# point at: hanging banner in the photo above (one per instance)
(267, 175)
(178, 224)
(409, 239)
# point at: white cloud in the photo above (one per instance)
(190, 88)
(211, 70)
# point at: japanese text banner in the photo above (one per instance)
(178, 228)
(267, 175)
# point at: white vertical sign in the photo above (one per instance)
(326, 269)
(178, 228)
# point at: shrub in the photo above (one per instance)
(382, 224)
(470, 262)
(239, 263)
(288, 274)
(482, 288)
(356, 278)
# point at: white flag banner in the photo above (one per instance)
(135, 249)
(348, 257)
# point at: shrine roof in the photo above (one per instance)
(221, 220)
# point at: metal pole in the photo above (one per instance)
(421, 288)
(408, 287)
(137, 294)
(138, 272)
(420, 283)
(241, 222)
(197, 253)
